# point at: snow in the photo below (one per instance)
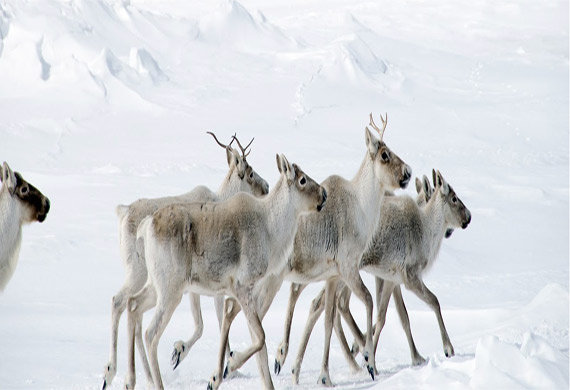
(106, 101)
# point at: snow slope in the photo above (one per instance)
(106, 101)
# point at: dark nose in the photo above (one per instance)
(43, 214)
(465, 224)
(265, 188)
(406, 177)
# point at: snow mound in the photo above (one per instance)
(353, 24)
(232, 24)
(353, 60)
(119, 81)
(142, 68)
(349, 63)
(534, 364)
(144, 63)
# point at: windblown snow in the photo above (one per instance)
(103, 102)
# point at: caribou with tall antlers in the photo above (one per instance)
(182, 348)
(329, 245)
(240, 177)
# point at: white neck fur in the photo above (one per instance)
(370, 192)
(10, 236)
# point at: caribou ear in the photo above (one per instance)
(232, 156)
(8, 178)
(371, 142)
(288, 169)
(442, 183)
(278, 159)
(427, 187)
(418, 185)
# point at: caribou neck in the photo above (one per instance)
(282, 215)
(10, 236)
(434, 225)
(370, 192)
(10, 219)
(231, 185)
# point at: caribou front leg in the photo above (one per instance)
(263, 296)
(417, 286)
(354, 282)
(249, 308)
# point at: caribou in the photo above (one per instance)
(329, 245)
(219, 248)
(20, 203)
(404, 248)
(240, 177)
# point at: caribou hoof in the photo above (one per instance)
(325, 380)
(213, 383)
(280, 358)
(449, 352)
(110, 372)
(231, 365)
(371, 371)
(179, 353)
(355, 349)
(418, 361)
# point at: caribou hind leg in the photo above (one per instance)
(283, 349)
(136, 306)
(182, 348)
(417, 359)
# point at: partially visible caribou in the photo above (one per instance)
(20, 203)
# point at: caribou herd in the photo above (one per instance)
(239, 243)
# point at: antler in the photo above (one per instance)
(384, 124)
(218, 142)
(243, 150)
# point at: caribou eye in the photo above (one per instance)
(251, 175)
(454, 199)
(303, 181)
(385, 156)
(24, 190)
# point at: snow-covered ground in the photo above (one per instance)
(106, 101)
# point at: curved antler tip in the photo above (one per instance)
(217, 141)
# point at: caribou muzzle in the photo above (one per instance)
(466, 223)
(45, 210)
(407, 176)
